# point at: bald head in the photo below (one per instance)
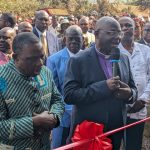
(41, 20)
(7, 35)
(105, 21)
(41, 13)
(127, 19)
(107, 34)
(84, 18)
(24, 27)
(128, 28)
(84, 24)
(74, 29)
(73, 38)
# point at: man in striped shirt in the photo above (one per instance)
(30, 104)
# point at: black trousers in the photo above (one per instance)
(134, 135)
(116, 140)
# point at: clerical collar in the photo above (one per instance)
(101, 54)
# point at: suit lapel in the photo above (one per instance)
(123, 70)
(35, 32)
(96, 64)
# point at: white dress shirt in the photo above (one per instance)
(72, 54)
(140, 68)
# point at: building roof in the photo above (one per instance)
(58, 12)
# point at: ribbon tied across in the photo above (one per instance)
(91, 130)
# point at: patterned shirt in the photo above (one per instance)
(20, 96)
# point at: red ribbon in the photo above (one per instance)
(101, 137)
(91, 130)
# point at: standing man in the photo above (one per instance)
(139, 56)
(58, 64)
(146, 35)
(30, 104)
(7, 35)
(49, 40)
(89, 38)
(90, 87)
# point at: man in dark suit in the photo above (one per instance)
(90, 87)
(146, 35)
(48, 39)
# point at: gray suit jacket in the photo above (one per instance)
(85, 87)
(52, 41)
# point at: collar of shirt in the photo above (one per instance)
(125, 51)
(71, 54)
(3, 58)
(14, 68)
(40, 33)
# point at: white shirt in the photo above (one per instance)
(40, 33)
(72, 54)
(140, 68)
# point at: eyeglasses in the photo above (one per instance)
(127, 25)
(147, 30)
(111, 33)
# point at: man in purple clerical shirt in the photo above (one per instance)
(89, 85)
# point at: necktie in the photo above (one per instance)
(44, 44)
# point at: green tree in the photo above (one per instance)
(21, 8)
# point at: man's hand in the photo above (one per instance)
(45, 120)
(113, 83)
(124, 92)
(138, 105)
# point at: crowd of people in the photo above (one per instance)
(57, 72)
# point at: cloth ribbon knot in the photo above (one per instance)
(92, 131)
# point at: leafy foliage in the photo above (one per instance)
(27, 8)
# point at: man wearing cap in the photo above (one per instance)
(64, 24)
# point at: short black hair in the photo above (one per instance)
(10, 18)
(22, 40)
